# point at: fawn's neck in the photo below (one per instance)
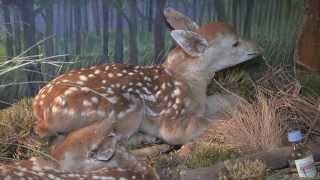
(196, 79)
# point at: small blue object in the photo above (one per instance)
(295, 136)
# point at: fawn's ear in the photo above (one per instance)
(106, 149)
(192, 43)
(105, 146)
(176, 20)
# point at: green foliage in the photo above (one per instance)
(310, 82)
(235, 79)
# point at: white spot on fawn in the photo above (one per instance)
(155, 77)
(158, 93)
(113, 100)
(110, 91)
(163, 86)
(80, 83)
(177, 92)
(147, 79)
(94, 99)
(85, 89)
(97, 71)
(83, 78)
(86, 103)
(110, 75)
(93, 67)
(91, 76)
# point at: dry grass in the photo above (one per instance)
(247, 169)
(16, 139)
(255, 126)
(278, 106)
(263, 124)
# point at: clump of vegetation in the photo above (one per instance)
(205, 154)
(168, 166)
(255, 126)
(310, 82)
(236, 80)
(263, 123)
(16, 139)
(247, 169)
(194, 155)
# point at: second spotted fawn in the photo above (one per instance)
(167, 101)
(87, 153)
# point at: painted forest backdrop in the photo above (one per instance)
(42, 38)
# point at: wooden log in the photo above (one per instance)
(274, 159)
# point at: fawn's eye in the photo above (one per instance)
(236, 44)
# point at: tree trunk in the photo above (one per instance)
(248, 18)
(77, 15)
(118, 51)
(49, 30)
(194, 9)
(96, 16)
(150, 16)
(105, 32)
(9, 33)
(219, 10)
(309, 44)
(159, 32)
(202, 7)
(66, 28)
(85, 17)
(17, 31)
(59, 22)
(28, 20)
(71, 24)
(85, 27)
(133, 44)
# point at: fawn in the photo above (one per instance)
(167, 101)
(87, 153)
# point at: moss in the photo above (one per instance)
(16, 138)
(168, 166)
(247, 169)
(310, 82)
(206, 154)
(235, 79)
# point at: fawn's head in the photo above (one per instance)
(207, 49)
(80, 148)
